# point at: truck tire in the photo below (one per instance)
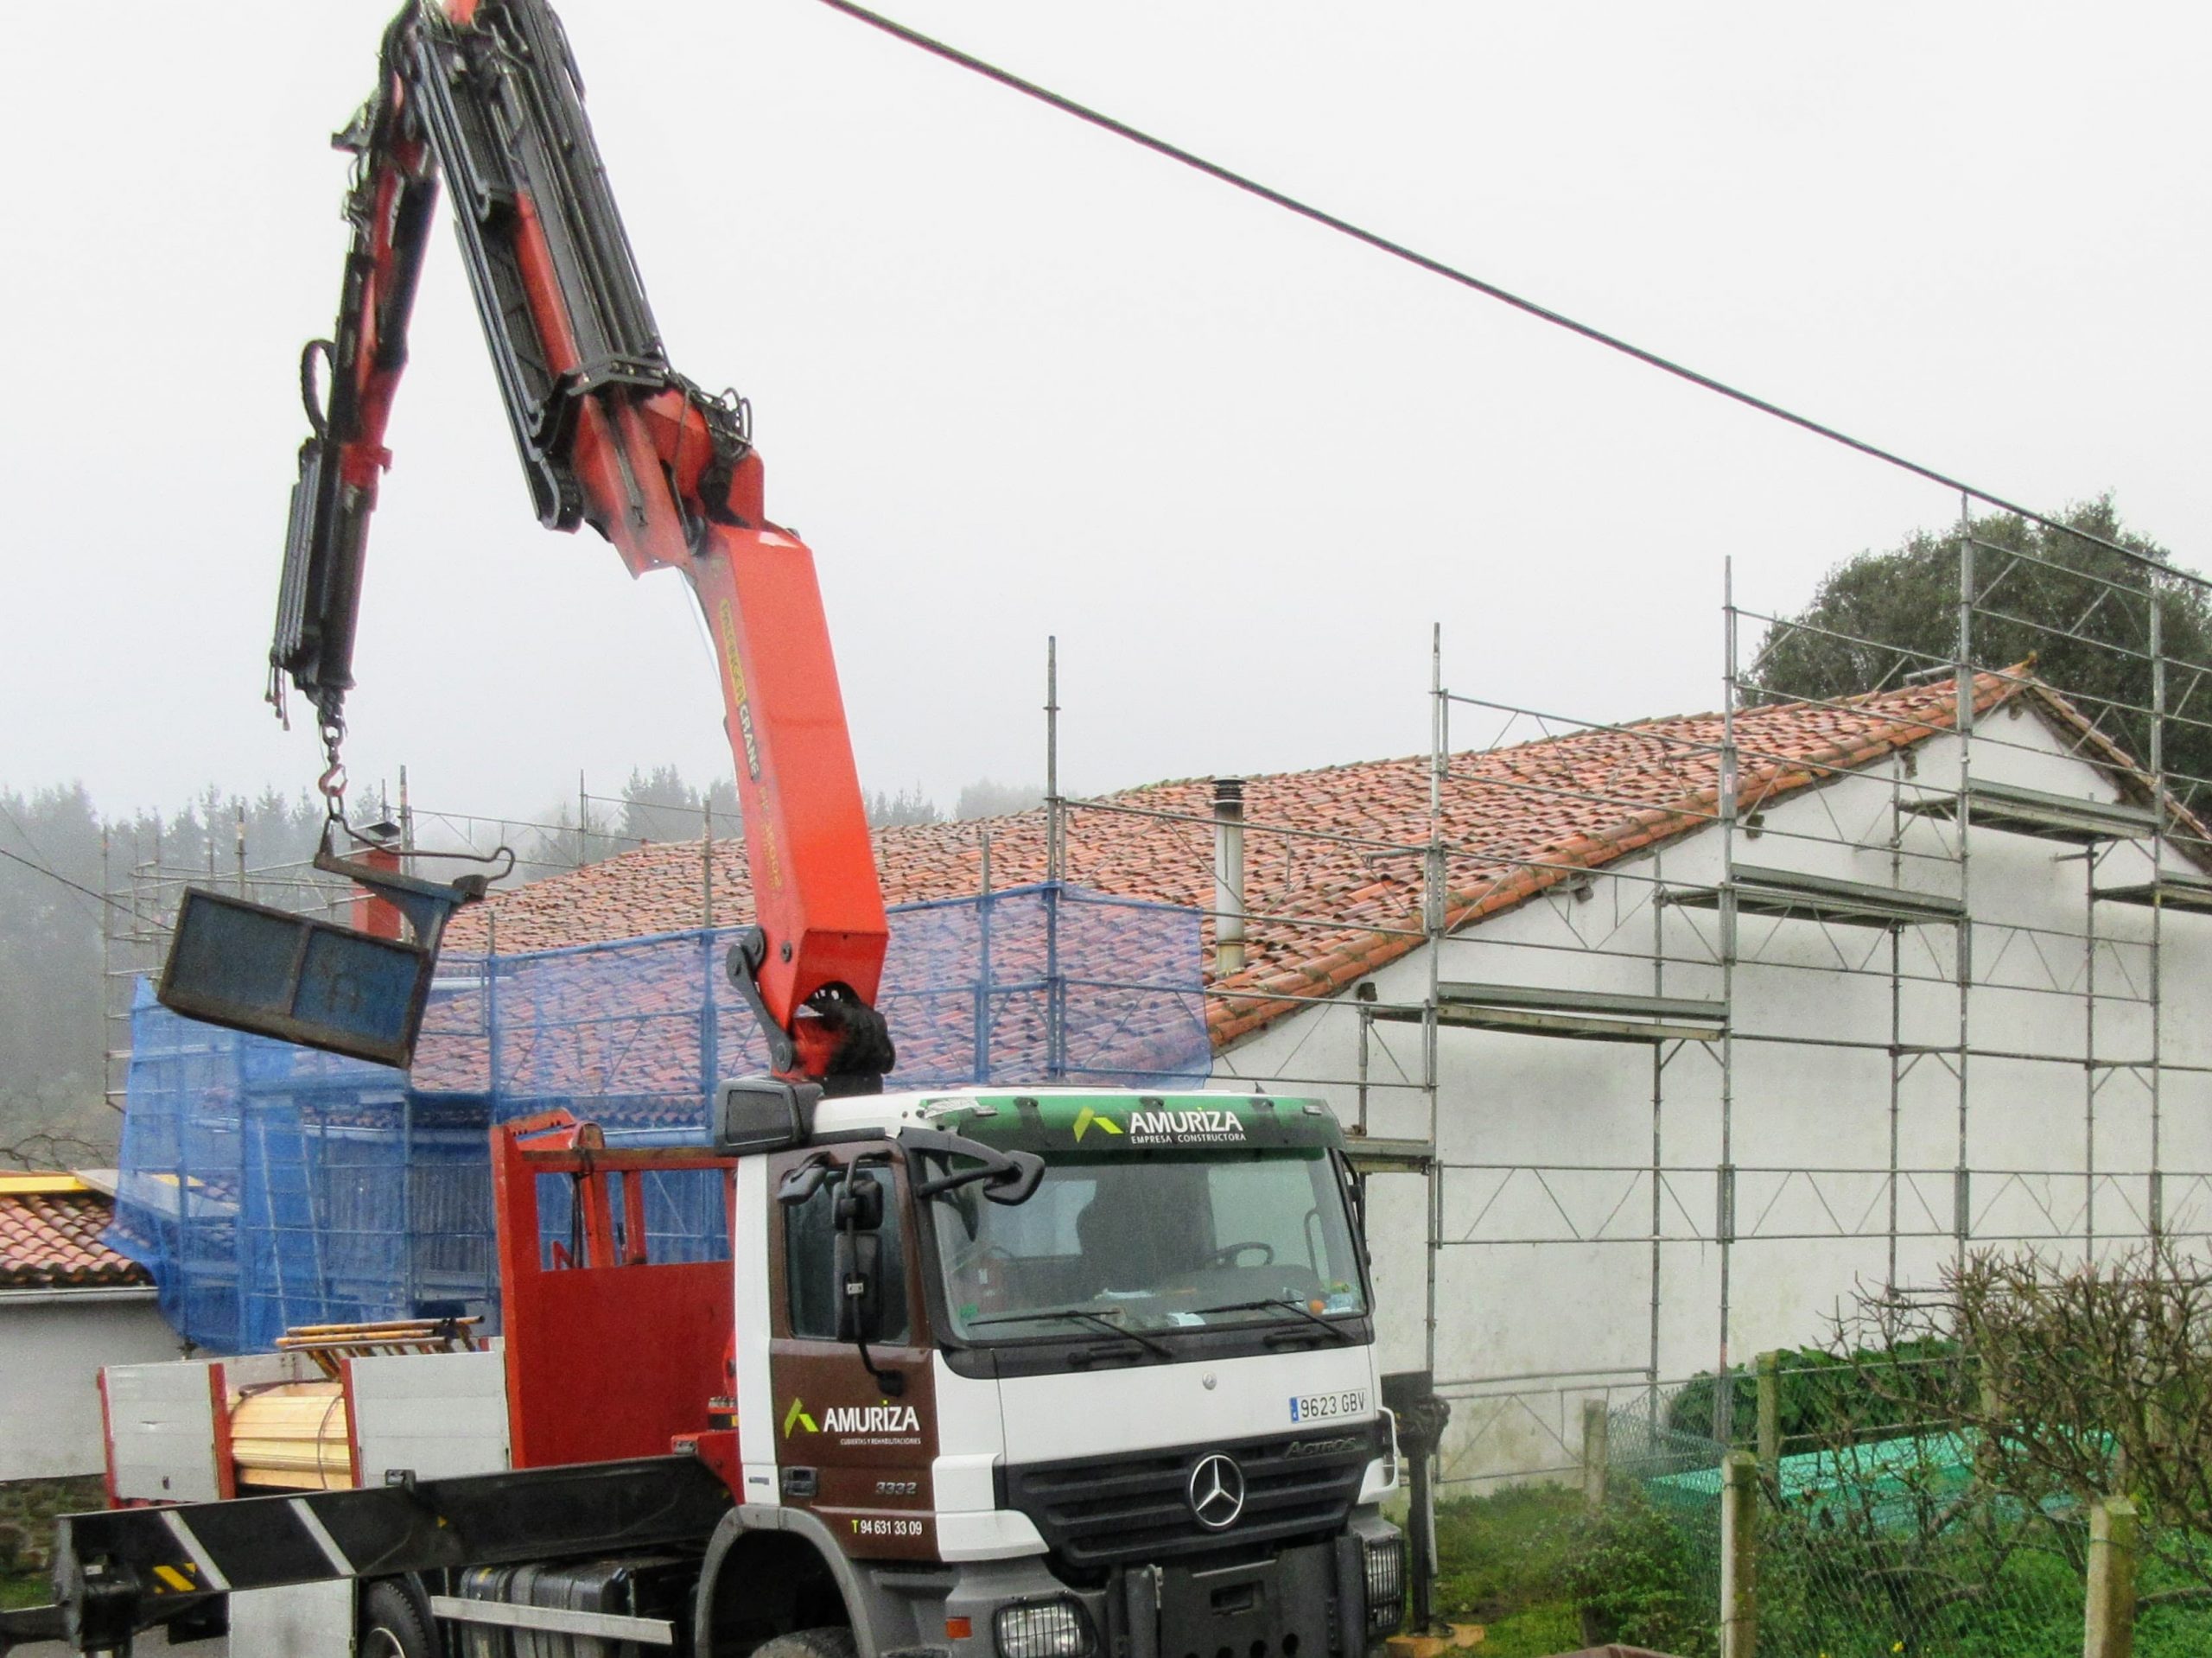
(800, 1643)
(392, 1624)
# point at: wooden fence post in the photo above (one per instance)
(1739, 1552)
(1991, 1434)
(1769, 1366)
(1596, 1437)
(2108, 1620)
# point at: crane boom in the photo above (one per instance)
(485, 95)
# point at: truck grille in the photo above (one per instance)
(1098, 1512)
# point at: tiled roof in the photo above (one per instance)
(1324, 913)
(50, 1228)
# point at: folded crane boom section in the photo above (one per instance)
(484, 95)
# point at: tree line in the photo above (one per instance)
(66, 887)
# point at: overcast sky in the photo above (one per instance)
(1012, 376)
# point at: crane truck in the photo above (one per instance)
(986, 1373)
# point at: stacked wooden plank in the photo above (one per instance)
(292, 1436)
(327, 1343)
(298, 1436)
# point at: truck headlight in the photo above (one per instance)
(1047, 1628)
(1386, 1583)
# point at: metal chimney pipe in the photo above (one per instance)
(1228, 876)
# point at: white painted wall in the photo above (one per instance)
(1526, 1329)
(52, 1347)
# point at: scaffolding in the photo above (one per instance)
(1889, 884)
(1896, 936)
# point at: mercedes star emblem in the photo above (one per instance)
(1216, 1492)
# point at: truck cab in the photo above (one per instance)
(1106, 1360)
(1128, 1369)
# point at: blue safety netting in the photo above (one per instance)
(267, 1185)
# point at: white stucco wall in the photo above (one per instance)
(1527, 1330)
(52, 1347)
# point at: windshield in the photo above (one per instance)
(1144, 1242)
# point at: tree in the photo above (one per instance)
(2068, 1382)
(2080, 610)
(987, 798)
(55, 885)
(282, 828)
(560, 841)
(53, 1038)
(906, 808)
(660, 805)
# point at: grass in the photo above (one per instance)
(1528, 1562)
(1503, 1562)
(1521, 1561)
(24, 1589)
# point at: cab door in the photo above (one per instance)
(855, 1448)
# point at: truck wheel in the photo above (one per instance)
(802, 1643)
(392, 1626)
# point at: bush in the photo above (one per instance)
(1826, 1398)
(1542, 1576)
(1640, 1576)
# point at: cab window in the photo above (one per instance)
(811, 1263)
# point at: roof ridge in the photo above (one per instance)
(1335, 969)
(1564, 800)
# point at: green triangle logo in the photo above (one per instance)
(1088, 1119)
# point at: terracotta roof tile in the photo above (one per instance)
(1324, 913)
(51, 1239)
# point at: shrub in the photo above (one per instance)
(1639, 1576)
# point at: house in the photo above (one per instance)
(1667, 1070)
(69, 1306)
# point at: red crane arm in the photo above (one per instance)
(484, 93)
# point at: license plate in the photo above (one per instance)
(1321, 1407)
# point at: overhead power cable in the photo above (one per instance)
(1451, 273)
(38, 851)
(39, 868)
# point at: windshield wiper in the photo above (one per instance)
(1083, 1313)
(1298, 1307)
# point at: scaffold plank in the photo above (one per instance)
(1375, 1154)
(1821, 898)
(2168, 892)
(2049, 816)
(1582, 1015)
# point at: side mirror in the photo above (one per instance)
(858, 1261)
(763, 1113)
(860, 1203)
(1008, 1177)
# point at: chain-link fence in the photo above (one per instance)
(1649, 1572)
(1893, 1545)
(1873, 1538)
